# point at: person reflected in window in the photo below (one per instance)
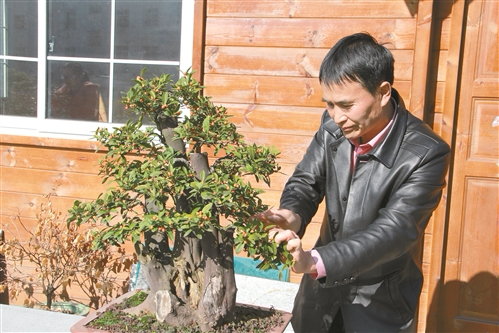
(78, 98)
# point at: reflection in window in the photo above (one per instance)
(70, 20)
(121, 51)
(83, 77)
(94, 8)
(123, 75)
(18, 88)
(123, 18)
(151, 17)
(151, 26)
(81, 28)
(78, 94)
(151, 52)
(19, 21)
(94, 38)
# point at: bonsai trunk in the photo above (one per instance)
(196, 285)
(194, 282)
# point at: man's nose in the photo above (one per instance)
(340, 117)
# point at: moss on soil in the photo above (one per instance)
(247, 319)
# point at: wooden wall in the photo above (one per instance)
(31, 168)
(261, 59)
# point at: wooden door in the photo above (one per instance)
(470, 295)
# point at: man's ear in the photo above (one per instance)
(385, 92)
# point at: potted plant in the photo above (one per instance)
(184, 215)
(60, 255)
(115, 317)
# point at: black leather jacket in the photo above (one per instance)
(375, 217)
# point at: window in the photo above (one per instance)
(64, 65)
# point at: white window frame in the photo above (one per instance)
(83, 130)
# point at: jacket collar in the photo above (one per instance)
(386, 152)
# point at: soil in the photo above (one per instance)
(247, 319)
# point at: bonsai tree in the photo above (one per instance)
(183, 214)
(61, 254)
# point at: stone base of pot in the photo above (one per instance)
(80, 326)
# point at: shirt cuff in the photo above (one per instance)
(319, 265)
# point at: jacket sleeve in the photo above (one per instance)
(398, 226)
(304, 190)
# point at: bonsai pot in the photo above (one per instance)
(80, 326)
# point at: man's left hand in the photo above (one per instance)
(304, 263)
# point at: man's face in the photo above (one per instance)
(358, 113)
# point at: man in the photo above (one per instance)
(381, 171)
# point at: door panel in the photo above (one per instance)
(484, 147)
(470, 294)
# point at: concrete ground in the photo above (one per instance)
(251, 290)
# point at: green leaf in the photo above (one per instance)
(207, 208)
(206, 124)
(239, 247)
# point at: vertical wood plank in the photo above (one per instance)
(446, 129)
(198, 43)
(422, 56)
(452, 72)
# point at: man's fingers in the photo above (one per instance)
(274, 232)
(294, 245)
(268, 217)
(285, 236)
(281, 218)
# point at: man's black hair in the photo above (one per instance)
(357, 58)
(77, 69)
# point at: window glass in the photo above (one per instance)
(18, 82)
(78, 90)
(19, 28)
(148, 30)
(123, 76)
(68, 69)
(79, 28)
